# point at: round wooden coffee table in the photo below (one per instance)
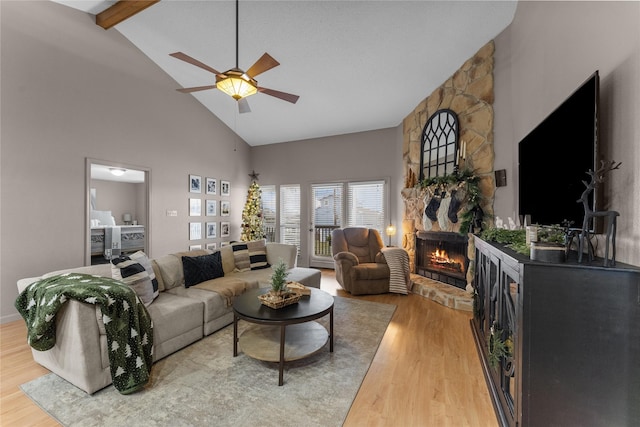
(268, 341)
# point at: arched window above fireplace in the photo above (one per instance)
(439, 149)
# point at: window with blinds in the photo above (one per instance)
(269, 212)
(290, 214)
(365, 205)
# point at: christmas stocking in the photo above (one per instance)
(443, 221)
(426, 222)
(454, 207)
(431, 211)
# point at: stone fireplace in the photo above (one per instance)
(442, 256)
(469, 93)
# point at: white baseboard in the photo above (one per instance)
(10, 318)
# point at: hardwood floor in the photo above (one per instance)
(17, 367)
(426, 371)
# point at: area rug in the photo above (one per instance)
(204, 385)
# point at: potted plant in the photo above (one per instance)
(279, 295)
(279, 278)
(550, 245)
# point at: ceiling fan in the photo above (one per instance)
(235, 82)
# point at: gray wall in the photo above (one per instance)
(358, 156)
(71, 90)
(541, 58)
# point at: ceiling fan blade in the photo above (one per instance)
(243, 106)
(266, 62)
(282, 95)
(195, 89)
(186, 58)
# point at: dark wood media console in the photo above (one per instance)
(573, 337)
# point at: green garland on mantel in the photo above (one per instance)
(471, 181)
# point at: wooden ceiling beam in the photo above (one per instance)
(120, 11)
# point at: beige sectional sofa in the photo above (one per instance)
(180, 315)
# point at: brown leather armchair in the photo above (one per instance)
(360, 266)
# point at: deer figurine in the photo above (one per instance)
(610, 217)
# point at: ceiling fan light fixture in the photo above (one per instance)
(237, 84)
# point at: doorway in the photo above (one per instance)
(117, 210)
(326, 216)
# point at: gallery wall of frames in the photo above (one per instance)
(209, 209)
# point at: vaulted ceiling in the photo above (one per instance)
(357, 65)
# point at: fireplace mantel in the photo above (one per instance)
(441, 235)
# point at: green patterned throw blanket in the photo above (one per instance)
(127, 323)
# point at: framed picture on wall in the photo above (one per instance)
(195, 247)
(195, 184)
(212, 230)
(225, 207)
(212, 186)
(225, 188)
(225, 229)
(212, 207)
(223, 244)
(195, 207)
(212, 246)
(195, 231)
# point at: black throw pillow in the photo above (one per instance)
(199, 269)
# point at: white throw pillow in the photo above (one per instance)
(104, 217)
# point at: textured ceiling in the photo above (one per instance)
(357, 65)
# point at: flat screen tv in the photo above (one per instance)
(553, 160)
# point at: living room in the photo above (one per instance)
(71, 92)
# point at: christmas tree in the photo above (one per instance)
(252, 213)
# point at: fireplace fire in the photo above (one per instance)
(442, 256)
(440, 259)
